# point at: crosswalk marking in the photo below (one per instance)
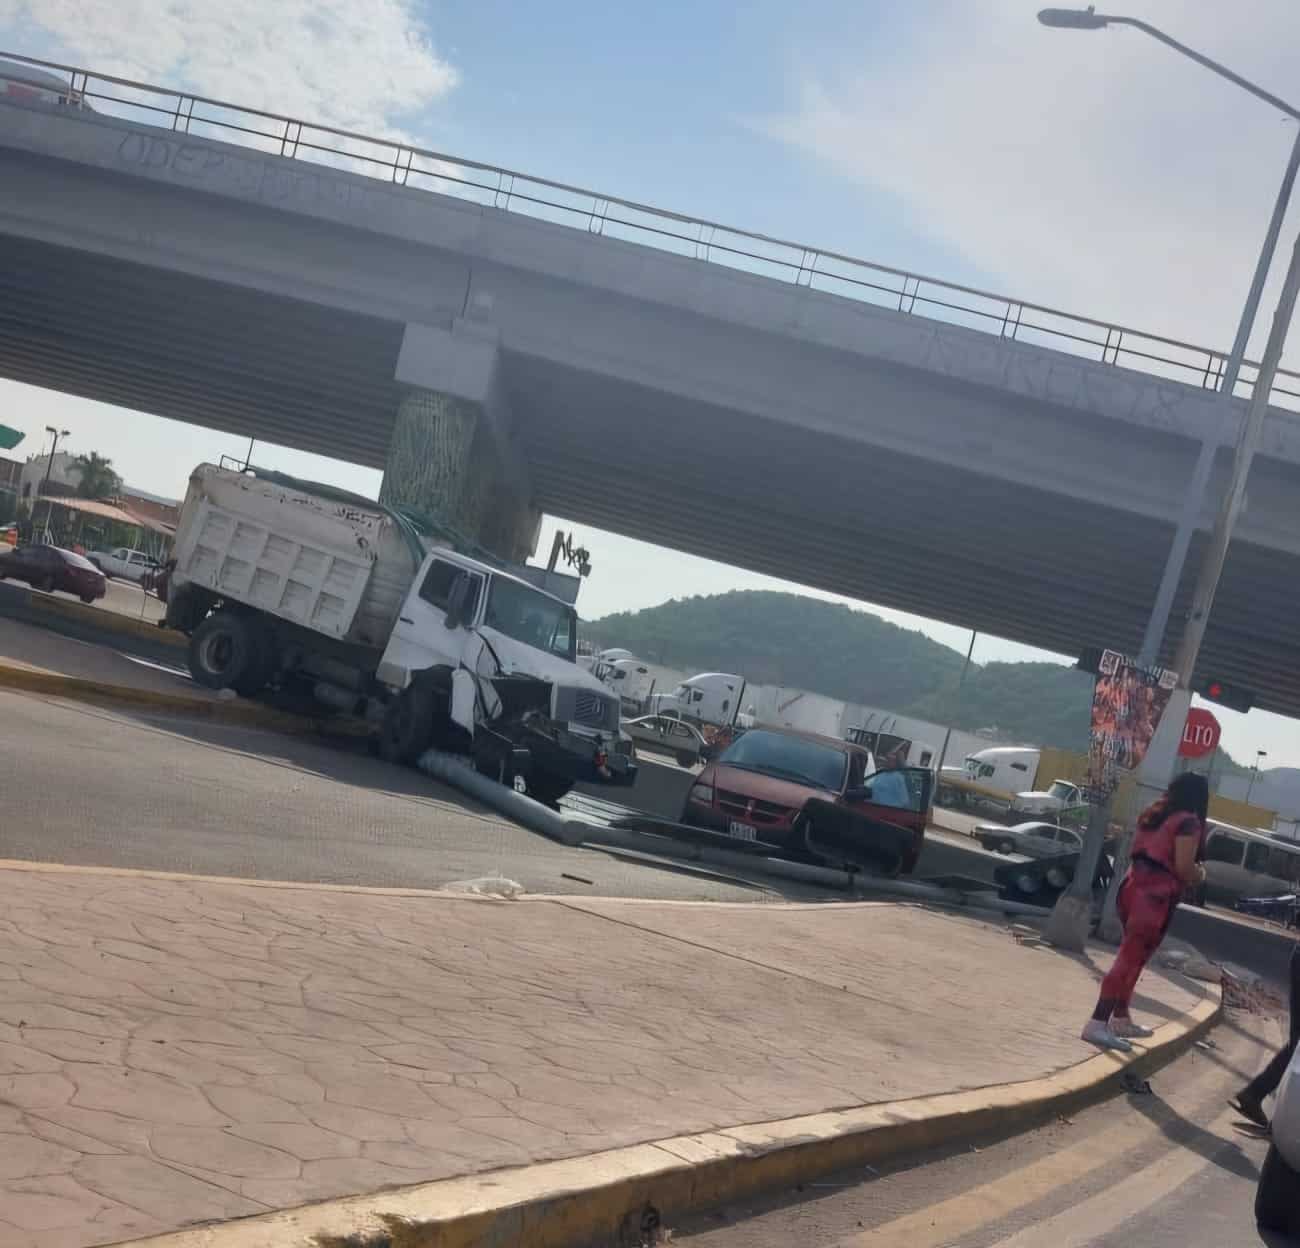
(1100, 1214)
(947, 1221)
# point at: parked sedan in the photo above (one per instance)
(51, 568)
(669, 735)
(756, 790)
(1034, 840)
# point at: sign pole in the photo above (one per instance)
(1130, 702)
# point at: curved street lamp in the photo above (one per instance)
(1070, 919)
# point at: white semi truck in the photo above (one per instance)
(280, 581)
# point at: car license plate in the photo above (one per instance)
(742, 831)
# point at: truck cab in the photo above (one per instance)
(500, 651)
(709, 698)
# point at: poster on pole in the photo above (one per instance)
(1126, 707)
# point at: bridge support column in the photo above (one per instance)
(450, 455)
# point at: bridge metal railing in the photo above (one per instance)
(405, 164)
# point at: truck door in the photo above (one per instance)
(421, 638)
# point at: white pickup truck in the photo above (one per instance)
(280, 581)
(130, 565)
(1053, 802)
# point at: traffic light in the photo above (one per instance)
(1233, 697)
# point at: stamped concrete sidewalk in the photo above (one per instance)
(176, 1050)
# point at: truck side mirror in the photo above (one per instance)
(458, 601)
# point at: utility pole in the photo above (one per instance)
(956, 706)
(1254, 774)
(45, 483)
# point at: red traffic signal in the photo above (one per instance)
(1232, 696)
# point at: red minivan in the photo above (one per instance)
(757, 789)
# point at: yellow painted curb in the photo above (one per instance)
(622, 1195)
(107, 621)
(78, 689)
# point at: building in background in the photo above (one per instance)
(64, 477)
(159, 514)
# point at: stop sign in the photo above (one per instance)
(1200, 734)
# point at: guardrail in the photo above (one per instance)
(404, 164)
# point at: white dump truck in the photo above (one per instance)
(284, 582)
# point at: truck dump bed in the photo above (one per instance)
(334, 566)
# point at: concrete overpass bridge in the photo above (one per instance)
(502, 345)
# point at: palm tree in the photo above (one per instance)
(97, 479)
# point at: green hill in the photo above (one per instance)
(786, 639)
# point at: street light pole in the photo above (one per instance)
(1254, 774)
(1193, 499)
(1070, 924)
(49, 467)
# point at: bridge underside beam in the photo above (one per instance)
(884, 524)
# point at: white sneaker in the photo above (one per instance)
(1098, 1033)
(1128, 1028)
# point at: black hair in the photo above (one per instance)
(1187, 792)
(1191, 792)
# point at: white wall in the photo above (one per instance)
(784, 707)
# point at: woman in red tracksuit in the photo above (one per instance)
(1167, 848)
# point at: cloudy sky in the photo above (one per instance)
(1096, 172)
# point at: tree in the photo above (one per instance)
(97, 479)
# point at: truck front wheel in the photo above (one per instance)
(407, 729)
(229, 651)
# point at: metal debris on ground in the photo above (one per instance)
(487, 886)
(1030, 937)
(577, 879)
(1245, 990)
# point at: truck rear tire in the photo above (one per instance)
(407, 730)
(230, 651)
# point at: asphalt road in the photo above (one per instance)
(87, 786)
(1164, 1170)
(349, 854)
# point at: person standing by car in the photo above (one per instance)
(1249, 1102)
(1167, 848)
(889, 785)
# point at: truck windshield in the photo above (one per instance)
(522, 613)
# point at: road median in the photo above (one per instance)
(49, 611)
(21, 678)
